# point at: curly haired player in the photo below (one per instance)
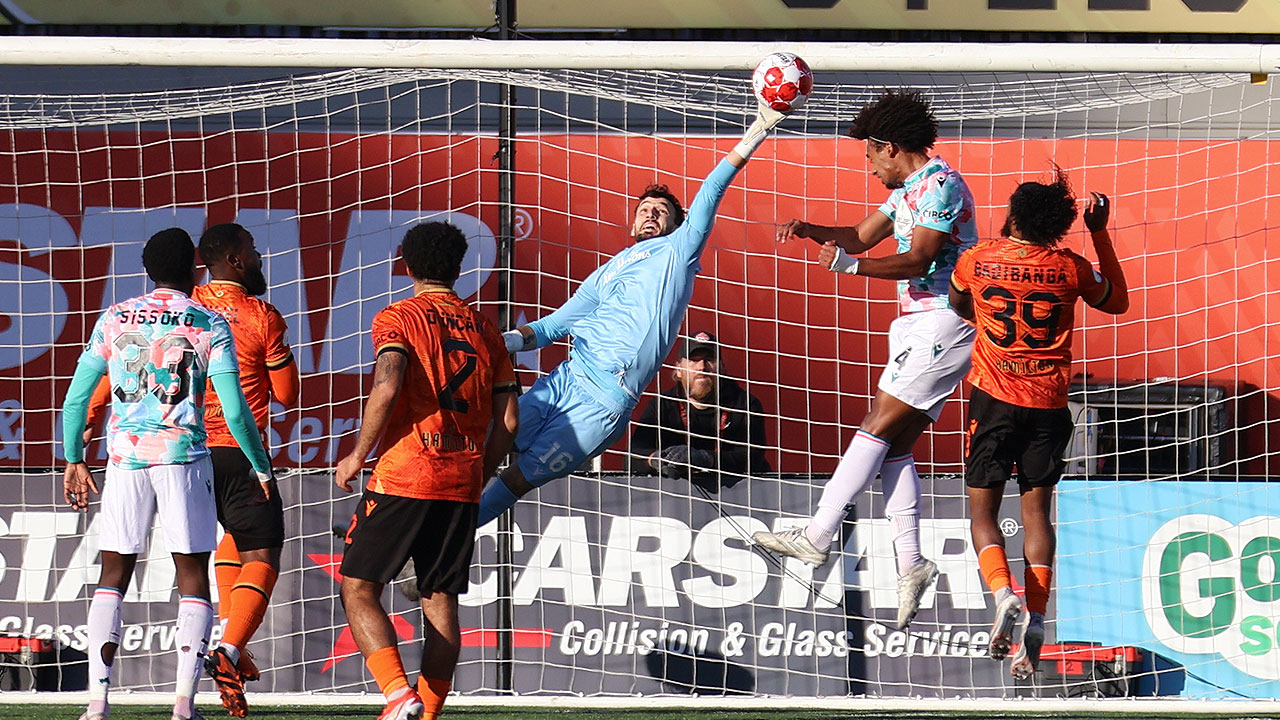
(930, 216)
(1021, 291)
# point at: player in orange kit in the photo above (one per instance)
(247, 560)
(1021, 291)
(442, 412)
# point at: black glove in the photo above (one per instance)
(1096, 212)
(675, 461)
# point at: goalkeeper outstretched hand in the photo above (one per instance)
(766, 119)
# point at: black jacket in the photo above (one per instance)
(732, 431)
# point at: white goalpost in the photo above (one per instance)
(631, 588)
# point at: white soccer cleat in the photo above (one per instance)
(1007, 614)
(792, 543)
(404, 705)
(195, 715)
(1027, 659)
(911, 588)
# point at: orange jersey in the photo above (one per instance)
(261, 346)
(433, 444)
(1024, 299)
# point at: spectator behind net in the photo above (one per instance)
(705, 428)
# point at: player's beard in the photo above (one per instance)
(255, 283)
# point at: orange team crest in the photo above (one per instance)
(369, 505)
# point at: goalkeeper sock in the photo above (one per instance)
(433, 692)
(226, 568)
(901, 485)
(248, 603)
(387, 670)
(1039, 579)
(995, 568)
(860, 463)
(496, 499)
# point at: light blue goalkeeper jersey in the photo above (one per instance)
(625, 315)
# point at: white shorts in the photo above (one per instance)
(183, 494)
(929, 354)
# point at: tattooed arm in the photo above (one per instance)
(388, 375)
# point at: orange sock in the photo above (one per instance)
(433, 692)
(994, 566)
(226, 569)
(387, 669)
(1039, 579)
(249, 600)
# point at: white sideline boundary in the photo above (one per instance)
(1144, 706)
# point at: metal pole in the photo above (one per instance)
(506, 17)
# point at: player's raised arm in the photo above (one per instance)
(1111, 296)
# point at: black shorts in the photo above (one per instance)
(254, 523)
(1002, 434)
(387, 530)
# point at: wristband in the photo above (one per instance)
(843, 263)
(265, 477)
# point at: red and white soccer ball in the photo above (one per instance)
(782, 81)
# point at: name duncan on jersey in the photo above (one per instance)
(1020, 273)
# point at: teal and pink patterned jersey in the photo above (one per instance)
(936, 197)
(158, 350)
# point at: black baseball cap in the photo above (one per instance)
(701, 341)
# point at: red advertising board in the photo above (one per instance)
(1194, 226)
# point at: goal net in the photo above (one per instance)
(1168, 564)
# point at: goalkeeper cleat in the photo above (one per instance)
(1027, 659)
(792, 543)
(95, 715)
(230, 684)
(195, 715)
(1008, 611)
(911, 587)
(404, 705)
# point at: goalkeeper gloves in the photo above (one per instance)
(514, 340)
(766, 119)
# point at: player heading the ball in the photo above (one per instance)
(930, 214)
(624, 319)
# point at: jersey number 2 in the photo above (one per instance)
(448, 399)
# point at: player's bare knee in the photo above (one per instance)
(357, 591)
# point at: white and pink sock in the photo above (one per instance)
(195, 621)
(901, 484)
(861, 463)
(104, 629)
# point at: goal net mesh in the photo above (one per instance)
(630, 584)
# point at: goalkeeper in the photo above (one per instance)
(624, 320)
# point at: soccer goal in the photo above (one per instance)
(630, 586)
